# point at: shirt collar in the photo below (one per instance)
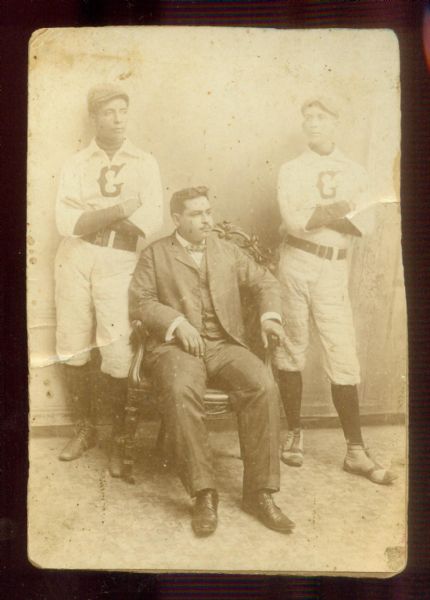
(185, 243)
(126, 148)
(335, 154)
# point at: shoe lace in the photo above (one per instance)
(288, 441)
(83, 431)
(371, 457)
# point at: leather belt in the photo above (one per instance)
(321, 251)
(112, 239)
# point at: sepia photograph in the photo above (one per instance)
(216, 308)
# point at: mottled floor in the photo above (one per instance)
(80, 518)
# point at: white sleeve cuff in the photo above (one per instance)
(271, 315)
(170, 332)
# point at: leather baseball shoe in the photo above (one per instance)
(292, 448)
(359, 462)
(84, 439)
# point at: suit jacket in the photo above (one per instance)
(166, 285)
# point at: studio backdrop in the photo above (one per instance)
(221, 107)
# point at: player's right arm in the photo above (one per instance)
(94, 220)
(326, 215)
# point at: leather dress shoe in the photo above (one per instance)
(262, 506)
(205, 520)
(84, 439)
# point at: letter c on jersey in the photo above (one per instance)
(107, 181)
(327, 184)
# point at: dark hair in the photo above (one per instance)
(177, 202)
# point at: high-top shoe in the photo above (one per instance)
(85, 438)
(292, 448)
(359, 462)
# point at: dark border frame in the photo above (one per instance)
(18, 19)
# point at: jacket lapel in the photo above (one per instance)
(181, 254)
(214, 266)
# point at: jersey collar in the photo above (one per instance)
(126, 148)
(336, 154)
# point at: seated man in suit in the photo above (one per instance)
(186, 291)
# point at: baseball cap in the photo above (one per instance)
(327, 103)
(103, 92)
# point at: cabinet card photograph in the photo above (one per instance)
(216, 304)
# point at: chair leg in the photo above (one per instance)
(130, 430)
(160, 444)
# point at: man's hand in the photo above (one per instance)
(131, 205)
(190, 339)
(272, 328)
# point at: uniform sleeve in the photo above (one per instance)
(68, 207)
(149, 216)
(295, 211)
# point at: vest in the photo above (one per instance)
(211, 327)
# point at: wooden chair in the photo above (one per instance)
(216, 402)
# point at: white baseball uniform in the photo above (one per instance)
(92, 280)
(313, 286)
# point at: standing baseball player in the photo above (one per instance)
(317, 192)
(109, 197)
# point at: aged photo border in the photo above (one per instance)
(415, 218)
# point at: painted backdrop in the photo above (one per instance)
(221, 107)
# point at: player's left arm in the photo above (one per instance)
(365, 221)
(149, 217)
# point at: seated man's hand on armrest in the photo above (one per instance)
(190, 339)
(273, 328)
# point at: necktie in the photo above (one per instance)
(195, 248)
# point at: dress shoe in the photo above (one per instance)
(84, 439)
(205, 520)
(359, 462)
(115, 459)
(262, 506)
(292, 448)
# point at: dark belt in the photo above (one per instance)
(322, 251)
(112, 239)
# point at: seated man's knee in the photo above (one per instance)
(262, 384)
(183, 390)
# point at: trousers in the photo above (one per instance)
(180, 381)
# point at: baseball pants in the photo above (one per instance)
(316, 288)
(92, 304)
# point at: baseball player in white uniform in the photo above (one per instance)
(109, 196)
(316, 192)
